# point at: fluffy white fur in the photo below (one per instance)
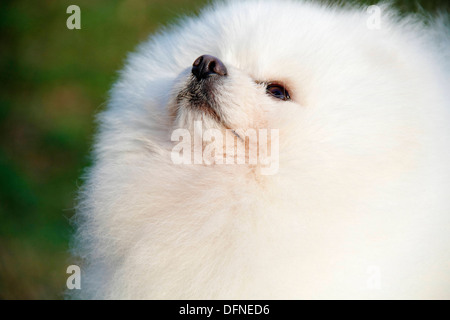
(363, 187)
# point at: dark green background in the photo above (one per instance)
(53, 82)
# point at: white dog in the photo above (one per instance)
(356, 112)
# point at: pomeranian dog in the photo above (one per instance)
(276, 150)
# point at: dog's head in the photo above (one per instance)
(331, 90)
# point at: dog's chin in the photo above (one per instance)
(197, 101)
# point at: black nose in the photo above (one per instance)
(206, 65)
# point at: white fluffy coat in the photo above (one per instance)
(360, 205)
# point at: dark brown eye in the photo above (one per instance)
(278, 91)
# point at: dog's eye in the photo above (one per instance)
(278, 91)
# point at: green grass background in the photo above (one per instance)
(53, 82)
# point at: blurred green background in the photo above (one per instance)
(53, 81)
